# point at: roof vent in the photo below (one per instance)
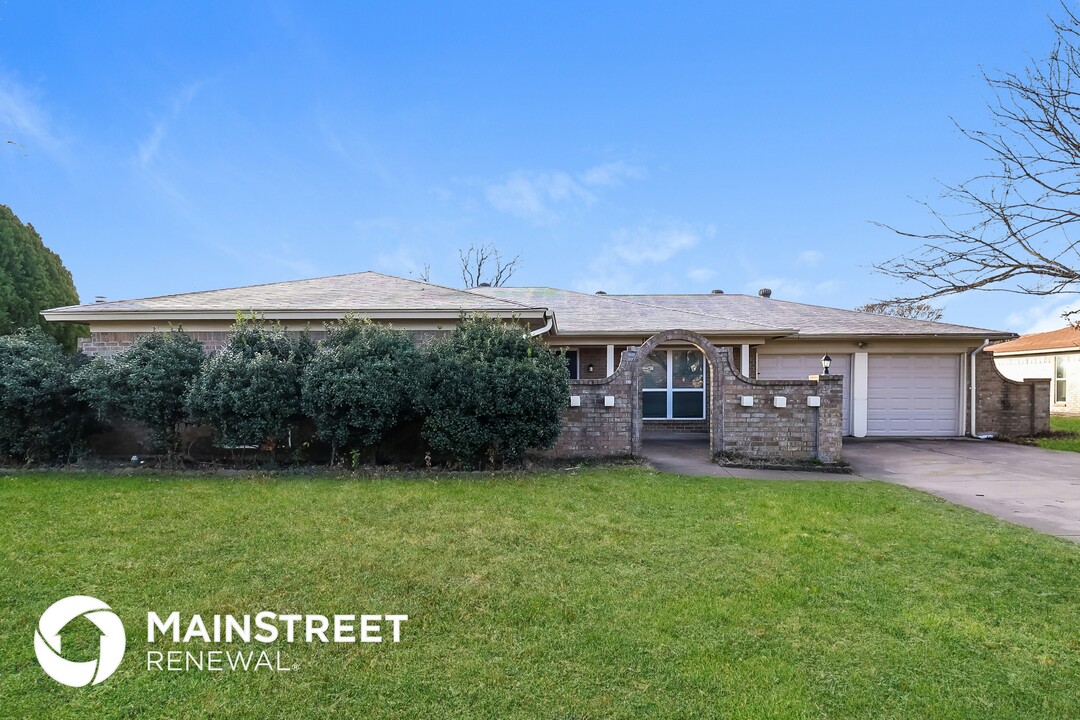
(483, 285)
(601, 292)
(765, 292)
(717, 292)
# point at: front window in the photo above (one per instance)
(673, 385)
(1059, 379)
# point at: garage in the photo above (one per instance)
(799, 367)
(913, 395)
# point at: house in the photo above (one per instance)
(896, 377)
(1054, 355)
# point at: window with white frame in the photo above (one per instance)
(673, 385)
(1059, 379)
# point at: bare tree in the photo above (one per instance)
(484, 265)
(1018, 229)
(903, 309)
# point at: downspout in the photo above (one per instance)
(546, 327)
(973, 355)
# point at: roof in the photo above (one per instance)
(367, 293)
(813, 320)
(380, 296)
(585, 314)
(1067, 339)
(721, 313)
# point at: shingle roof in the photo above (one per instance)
(580, 313)
(1065, 338)
(357, 292)
(719, 313)
(809, 319)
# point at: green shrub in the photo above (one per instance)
(489, 393)
(41, 416)
(249, 392)
(148, 383)
(359, 383)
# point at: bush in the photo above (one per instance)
(148, 383)
(250, 391)
(41, 416)
(490, 393)
(359, 383)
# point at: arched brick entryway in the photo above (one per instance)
(713, 397)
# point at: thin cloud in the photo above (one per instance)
(534, 196)
(542, 197)
(646, 244)
(149, 148)
(25, 122)
(630, 261)
(1044, 317)
(810, 258)
(612, 173)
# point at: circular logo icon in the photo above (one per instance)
(47, 641)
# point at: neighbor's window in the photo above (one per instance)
(673, 385)
(1059, 379)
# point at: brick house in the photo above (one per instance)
(746, 370)
(1052, 355)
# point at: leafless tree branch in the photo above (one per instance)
(1018, 228)
(484, 265)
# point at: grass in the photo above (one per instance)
(607, 593)
(1068, 441)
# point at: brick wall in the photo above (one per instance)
(1008, 407)
(592, 429)
(762, 431)
(794, 432)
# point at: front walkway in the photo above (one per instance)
(688, 454)
(1025, 485)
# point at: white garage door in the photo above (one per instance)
(800, 367)
(913, 395)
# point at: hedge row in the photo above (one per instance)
(482, 394)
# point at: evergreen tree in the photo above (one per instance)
(32, 279)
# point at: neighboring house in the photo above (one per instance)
(901, 377)
(1054, 355)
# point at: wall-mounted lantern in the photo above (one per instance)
(590, 367)
(825, 363)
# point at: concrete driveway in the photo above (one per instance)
(1025, 485)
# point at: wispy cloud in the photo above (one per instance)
(701, 274)
(645, 244)
(25, 123)
(809, 258)
(540, 197)
(630, 261)
(149, 147)
(1045, 316)
(612, 173)
(534, 196)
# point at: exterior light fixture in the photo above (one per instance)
(590, 367)
(826, 361)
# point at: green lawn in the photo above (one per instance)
(607, 593)
(1063, 425)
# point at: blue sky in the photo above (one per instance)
(177, 146)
